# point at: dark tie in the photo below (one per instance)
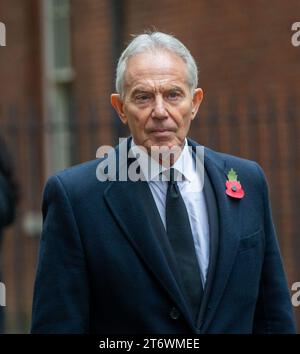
(181, 239)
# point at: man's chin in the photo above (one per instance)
(163, 145)
(169, 145)
(163, 141)
(166, 152)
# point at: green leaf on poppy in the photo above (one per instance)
(232, 176)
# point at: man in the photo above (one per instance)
(159, 255)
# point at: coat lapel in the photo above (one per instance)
(213, 217)
(229, 227)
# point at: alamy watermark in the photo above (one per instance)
(296, 295)
(139, 164)
(2, 294)
(2, 35)
(295, 39)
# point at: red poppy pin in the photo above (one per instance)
(233, 186)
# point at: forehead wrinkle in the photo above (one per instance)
(152, 85)
(153, 75)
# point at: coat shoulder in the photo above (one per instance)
(232, 159)
(246, 169)
(224, 160)
(78, 180)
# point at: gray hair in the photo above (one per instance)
(155, 41)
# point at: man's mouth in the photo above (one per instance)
(161, 132)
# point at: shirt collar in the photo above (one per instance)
(151, 169)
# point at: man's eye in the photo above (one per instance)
(142, 98)
(173, 95)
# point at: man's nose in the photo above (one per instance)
(159, 109)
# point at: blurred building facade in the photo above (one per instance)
(57, 74)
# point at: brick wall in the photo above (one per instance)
(20, 104)
(92, 61)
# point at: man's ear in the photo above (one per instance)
(118, 105)
(197, 99)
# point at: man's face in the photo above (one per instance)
(158, 105)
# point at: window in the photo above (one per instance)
(58, 77)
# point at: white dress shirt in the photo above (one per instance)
(192, 193)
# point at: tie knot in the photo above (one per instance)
(172, 175)
(175, 176)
